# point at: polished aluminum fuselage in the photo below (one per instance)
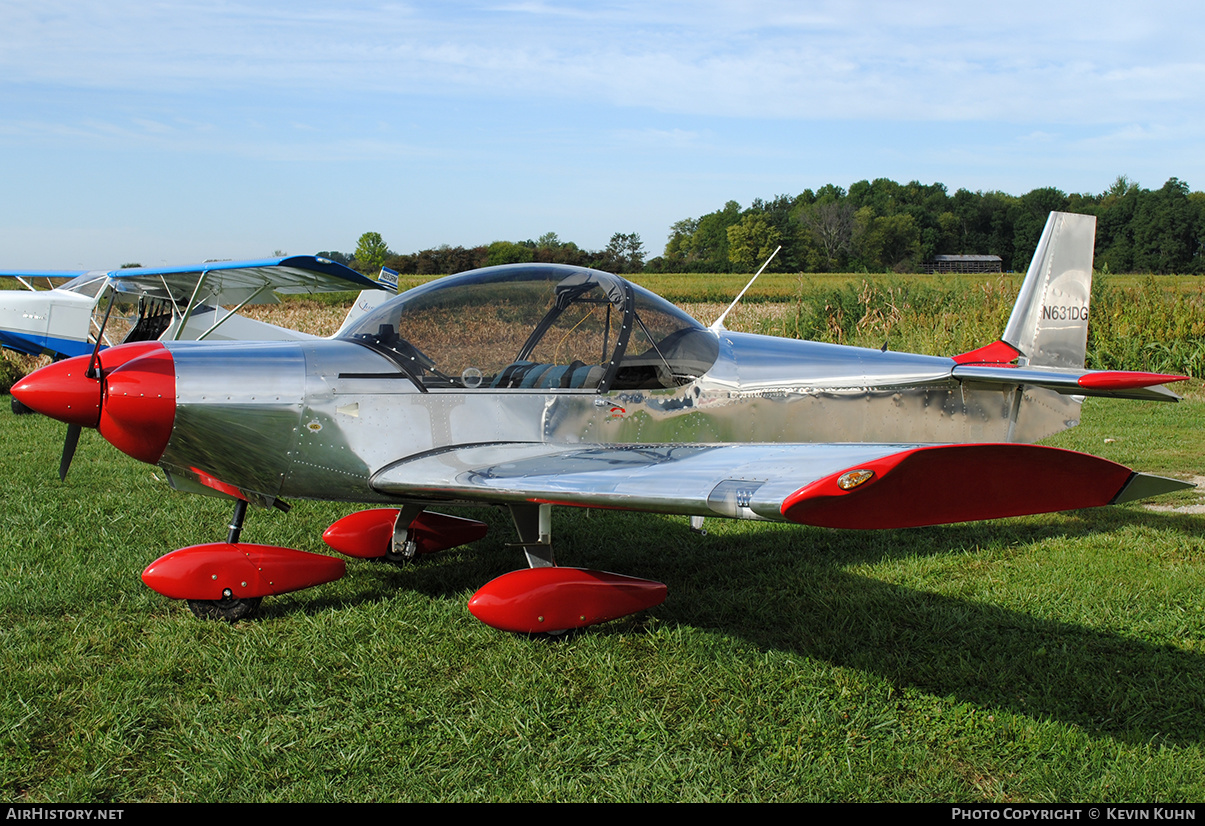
(318, 419)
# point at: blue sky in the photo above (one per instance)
(168, 133)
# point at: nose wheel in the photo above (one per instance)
(227, 609)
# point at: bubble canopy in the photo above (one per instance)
(537, 327)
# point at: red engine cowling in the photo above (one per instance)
(548, 600)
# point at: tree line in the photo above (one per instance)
(881, 226)
(874, 226)
(623, 254)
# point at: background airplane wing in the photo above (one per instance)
(830, 485)
(237, 282)
(29, 274)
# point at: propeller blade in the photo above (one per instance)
(69, 445)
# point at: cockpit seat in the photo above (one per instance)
(535, 375)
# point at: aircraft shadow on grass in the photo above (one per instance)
(788, 590)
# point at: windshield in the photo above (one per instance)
(537, 327)
(87, 284)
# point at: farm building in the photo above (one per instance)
(965, 263)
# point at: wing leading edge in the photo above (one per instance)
(870, 486)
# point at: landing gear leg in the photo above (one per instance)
(534, 526)
(228, 608)
(235, 528)
(403, 548)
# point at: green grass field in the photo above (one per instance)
(1054, 658)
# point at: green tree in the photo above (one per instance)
(890, 242)
(677, 248)
(508, 252)
(1166, 230)
(705, 248)
(751, 241)
(624, 253)
(371, 252)
(830, 224)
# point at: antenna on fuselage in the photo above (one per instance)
(718, 324)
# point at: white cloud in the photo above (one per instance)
(871, 59)
(538, 114)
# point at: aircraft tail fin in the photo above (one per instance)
(365, 302)
(1049, 322)
(368, 300)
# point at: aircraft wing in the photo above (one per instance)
(42, 273)
(829, 485)
(226, 283)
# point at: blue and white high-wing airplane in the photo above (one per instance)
(529, 386)
(161, 303)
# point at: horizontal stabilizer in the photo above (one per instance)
(1118, 384)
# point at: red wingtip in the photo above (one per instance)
(961, 483)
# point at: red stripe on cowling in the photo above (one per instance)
(139, 408)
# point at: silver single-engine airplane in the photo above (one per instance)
(161, 303)
(528, 386)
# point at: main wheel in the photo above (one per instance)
(227, 609)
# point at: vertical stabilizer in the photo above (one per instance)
(369, 300)
(1049, 323)
(366, 301)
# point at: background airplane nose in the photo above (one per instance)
(62, 391)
